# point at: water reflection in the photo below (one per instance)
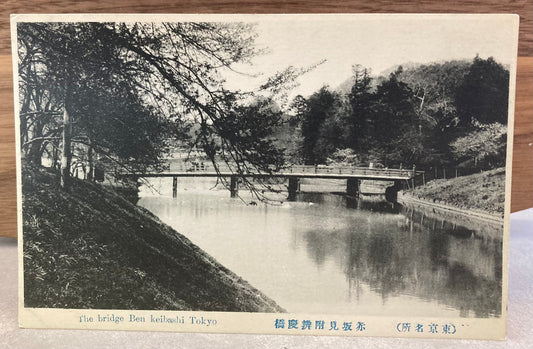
(327, 254)
(418, 256)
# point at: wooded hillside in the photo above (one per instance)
(442, 114)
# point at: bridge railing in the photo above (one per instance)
(312, 169)
(364, 171)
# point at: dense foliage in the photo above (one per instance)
(443, 114)
(118, 95)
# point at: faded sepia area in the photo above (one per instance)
(319, 165)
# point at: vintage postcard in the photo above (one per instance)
(279, 174)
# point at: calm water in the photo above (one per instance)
(323, 254)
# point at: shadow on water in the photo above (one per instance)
(398, 250)
(371, 203)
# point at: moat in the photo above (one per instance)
(326, 253)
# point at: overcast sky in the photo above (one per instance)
(376, 42)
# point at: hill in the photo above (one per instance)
(482, 192)
(91, 248)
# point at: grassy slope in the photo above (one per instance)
(483, 192)
(91, 248)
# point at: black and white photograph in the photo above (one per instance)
(291, 174)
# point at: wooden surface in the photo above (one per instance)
(522, 182)
(8, 199)
(522, 176)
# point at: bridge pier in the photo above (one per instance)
(352, 187)
(352, 202)
(391, 193)
(174, 187)
(294, 187)
(234, 186)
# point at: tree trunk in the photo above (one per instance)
(90, 160)
(66, 155)
(34, 150)
(55, 158)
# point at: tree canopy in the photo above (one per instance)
(439, 114)
(120, 94)
(126, 89)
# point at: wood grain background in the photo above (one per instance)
(522, 182)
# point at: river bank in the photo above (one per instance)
(458, 222)
(481, 194)
(91, 248)
(407, 199)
